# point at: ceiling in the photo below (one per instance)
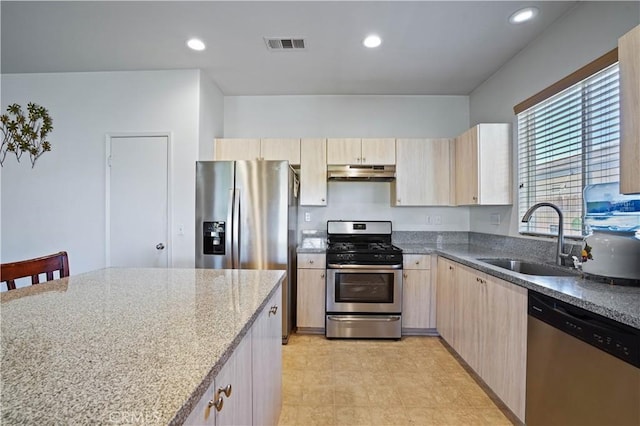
(428, 47)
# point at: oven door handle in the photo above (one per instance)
(364, 318)
(371, 267)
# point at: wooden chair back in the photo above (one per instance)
(9, 272)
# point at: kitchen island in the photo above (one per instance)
(118, 346)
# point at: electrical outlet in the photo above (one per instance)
(307, 217)
(437, 219)
(428, 220)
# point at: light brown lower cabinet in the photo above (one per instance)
(266, 363)
(484, 319)
(417, 292)
(248, 388)
(310, 297)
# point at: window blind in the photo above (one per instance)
(566, 142)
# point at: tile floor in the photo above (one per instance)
(415, 381)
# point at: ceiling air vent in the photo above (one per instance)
(284, 44)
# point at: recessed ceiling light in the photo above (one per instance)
(523, 15)
(196, 44)
(372, 41)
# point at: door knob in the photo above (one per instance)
(159, 246)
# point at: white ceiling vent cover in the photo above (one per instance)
(285, 43)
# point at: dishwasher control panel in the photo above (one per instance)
(617, 339)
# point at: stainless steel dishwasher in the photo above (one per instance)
(582, 368)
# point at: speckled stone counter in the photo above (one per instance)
(119, 346)
(616, 302)
(312, 245)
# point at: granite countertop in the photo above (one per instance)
(619, 303)
(312, 245)
(615, 302)
(123, 345)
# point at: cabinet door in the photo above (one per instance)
(342, 151)
(267, 362)
(311, 299)
(445, 299)
(237, 149)
(203, 414)
(281, 149)
(423, 175)
(466, 167)
(236, 373)
(313, 172)
(504, 358)
(236, 408)
(629, 60)
(469, 320)
(494, 163)
(483, 165)
(416, 297)
(379, 152)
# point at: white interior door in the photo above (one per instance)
(137, 201)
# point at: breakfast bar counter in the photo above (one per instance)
(118, 346)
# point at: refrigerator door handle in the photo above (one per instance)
(235, 225)
(229, 240)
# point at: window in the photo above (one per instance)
(568, 141)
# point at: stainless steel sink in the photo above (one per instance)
(530, 268)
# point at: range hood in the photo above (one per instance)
(362, 173)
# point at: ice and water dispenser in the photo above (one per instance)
(213, 238)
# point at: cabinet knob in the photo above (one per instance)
(398, 200)
(417, 262)
(217, 403)
(225, 390)
(322, 199)
(311, 261)
(364, 160)
(322, 276)
(404, 275)
(475, 198)
(451, 268)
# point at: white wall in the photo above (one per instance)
(356, 116)
(583, 34)
(60, 204)
(211, 117)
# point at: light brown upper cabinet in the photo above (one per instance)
(483, 165)
(258, 149)
(629, 62)
(237, 149)
(313, 172)
(368, 151)
(423, 173)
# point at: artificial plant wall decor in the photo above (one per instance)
(22, 133)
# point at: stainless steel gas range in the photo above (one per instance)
(364, 281)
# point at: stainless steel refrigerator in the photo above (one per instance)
(246, 218)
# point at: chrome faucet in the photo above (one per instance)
(559, 254)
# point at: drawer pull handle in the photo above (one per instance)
(226, 390)
(218, 403)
